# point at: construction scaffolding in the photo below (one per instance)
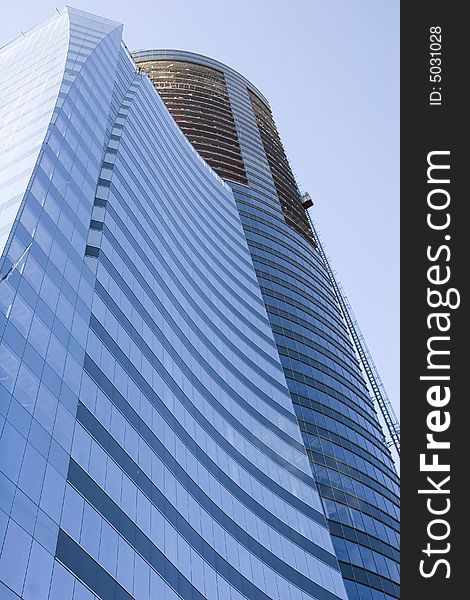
(376, 387)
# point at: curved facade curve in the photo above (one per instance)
(351, 463)
(149, 448)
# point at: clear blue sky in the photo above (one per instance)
(330, 70)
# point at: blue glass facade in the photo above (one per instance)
(350, 460)
(149, 447)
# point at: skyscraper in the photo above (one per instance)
(229, 122)
(149, 447)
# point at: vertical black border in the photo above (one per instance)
(426, 128)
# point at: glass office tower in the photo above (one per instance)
(149, 447)
(230, 124)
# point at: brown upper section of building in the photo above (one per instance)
(286, 186)
(197, 98)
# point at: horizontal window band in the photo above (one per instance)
(283, 240)
(286, 339)
(369, 579)
(303, 397)
(285, 251)
(364, 539)
(200, 313)
(92, 251)
(327, 316)
(342, 497)
(217, 287)
(205, 366)
(284, 324)
(218, 438)
(291, 361)
(116, 517)
(336, 454)
(286, 413)
(301, 361)
(100, 202)
(124, 407)
(96, 225)
(299, 273)
(87, 570)
(362, 403)
(318, 431)
(158, 499)
(345, 469)
(291, 298)
(307, 420)
(224, 227)
(257, 300)
(267, 206)
(313, 302)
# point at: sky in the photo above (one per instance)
(330, 70)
